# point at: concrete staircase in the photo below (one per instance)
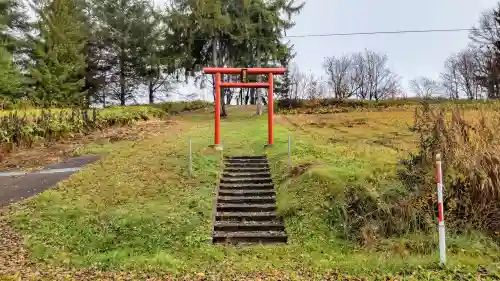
(246, 204)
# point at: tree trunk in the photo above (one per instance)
(247, 96)
(151, 92)
(215, 63)
(223, 112)
(89, 93)
(229, 97)
(259, 90)
(122, 78)
(252, 96)
(103, 99)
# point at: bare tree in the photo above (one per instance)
(460, 77)
(449, 78)
(468, 69)
(311, 87)
(381, 79)
(425, 87)
(322, 88)
(488, 71)
(341, 74)
(486, 37)
(305, 85)
(297, 81)
(360, 75)
(488, 31)
(365, 75)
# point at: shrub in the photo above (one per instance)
(470, 150)
(23, 129)
(181, 106)
(471, 165)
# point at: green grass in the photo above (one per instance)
(139, 210)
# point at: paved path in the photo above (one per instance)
(15, 186)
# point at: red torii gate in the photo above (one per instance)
(218, 71)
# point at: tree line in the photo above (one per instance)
(363, 75)
(75, 53)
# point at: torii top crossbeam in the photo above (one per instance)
(256, 70)
(218, 71)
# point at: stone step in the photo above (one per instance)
(249, 226)
(240, 207)
(245, 162)
(249, 237)
(246, 199)
(259, 186)
(247, 175)
(246, 204)
(245, 180)
(247, 192)
(245, 165)
(246, 170)
(243, 157)
(246, 216)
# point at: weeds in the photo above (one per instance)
(23, 129)
(471, 166)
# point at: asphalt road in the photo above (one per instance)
(15, 186)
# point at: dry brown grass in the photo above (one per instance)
(469, 143)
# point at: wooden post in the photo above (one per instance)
(190, 158)
(270, 109)
(217, 108)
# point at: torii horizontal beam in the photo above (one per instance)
(233, 70)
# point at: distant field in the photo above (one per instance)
(385, 132)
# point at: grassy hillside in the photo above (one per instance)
(138, 210)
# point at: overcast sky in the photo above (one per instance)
(410, 55)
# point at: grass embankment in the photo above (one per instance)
(138, 210)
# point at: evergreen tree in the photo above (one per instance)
(58, 53)
(156, 63)
(13, 23)
(10, 79)
(229, 32)
(283, 83)
(122, 24)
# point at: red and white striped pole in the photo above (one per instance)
(441, 229)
